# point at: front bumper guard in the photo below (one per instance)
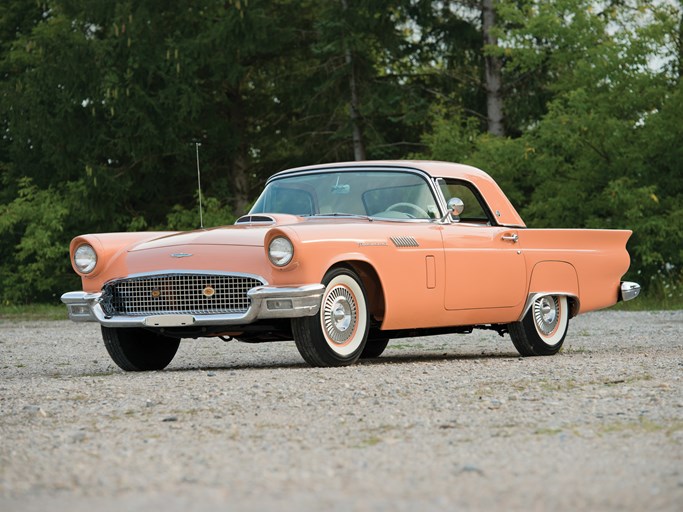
(267, 302)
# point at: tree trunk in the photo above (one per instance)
(492, 72)
(354, 105)
(239, 166)
(240, 182)
(680, 42)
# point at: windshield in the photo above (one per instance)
(383, 194)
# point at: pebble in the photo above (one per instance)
(35, 409)
(599, 426)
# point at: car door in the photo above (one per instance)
(485, 267)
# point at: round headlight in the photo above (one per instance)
(85, 259)
(280, 251)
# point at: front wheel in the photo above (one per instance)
(336, 336)
(543, 329)
(137, 350)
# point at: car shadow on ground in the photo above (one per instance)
(394, 359)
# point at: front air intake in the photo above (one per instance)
(197, 294)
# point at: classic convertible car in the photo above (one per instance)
(344, 257)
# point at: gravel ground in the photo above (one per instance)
(439, 423)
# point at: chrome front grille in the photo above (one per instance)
(198, 294)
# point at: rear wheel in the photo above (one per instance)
(543, 329)
(136, 350)
(337, 335)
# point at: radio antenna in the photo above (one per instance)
(199, 186)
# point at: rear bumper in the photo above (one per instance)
(628, 290)
(267, 302)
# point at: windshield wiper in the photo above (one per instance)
(340, 214)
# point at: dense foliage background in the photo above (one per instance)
(574, 106)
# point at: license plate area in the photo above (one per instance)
(169, 320)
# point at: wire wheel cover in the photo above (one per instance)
(340, 315)
(547, 314)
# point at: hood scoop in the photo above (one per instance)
(255, 219)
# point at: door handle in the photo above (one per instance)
(512, 238)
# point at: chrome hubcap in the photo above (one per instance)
(546, 314)
(339, 315)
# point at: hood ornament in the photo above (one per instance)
(181, 255)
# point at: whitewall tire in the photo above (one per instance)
(337, 335)
(544, 327)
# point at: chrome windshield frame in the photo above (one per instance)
(428, 178)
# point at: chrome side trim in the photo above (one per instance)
(574, 306)
(266, 302)
(629, 290)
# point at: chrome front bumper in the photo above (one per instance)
(629, 290)
(267, 302)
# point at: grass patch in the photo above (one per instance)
(547, 431)
(648, 304)
(106, 373)
(644, 425)
(571, 349)
(559, 385)
(370, 441)
(627, 380)
(406, 346)
(24, 312)
(375, 435)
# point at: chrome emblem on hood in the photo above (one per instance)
(181, 255)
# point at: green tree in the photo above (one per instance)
(605, 152)
(102, 103)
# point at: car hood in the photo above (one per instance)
(245, 233)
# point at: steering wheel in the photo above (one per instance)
(410, 206)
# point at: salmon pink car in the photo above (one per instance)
(342, 258)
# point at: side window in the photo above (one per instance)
(475, 210)
(407, 201)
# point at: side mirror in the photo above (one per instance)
(455, 208)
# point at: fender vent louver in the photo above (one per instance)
(404, 241)
(255, 219)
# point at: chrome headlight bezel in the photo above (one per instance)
(85, 259)
(280, 251)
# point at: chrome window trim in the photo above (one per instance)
(477, 194)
